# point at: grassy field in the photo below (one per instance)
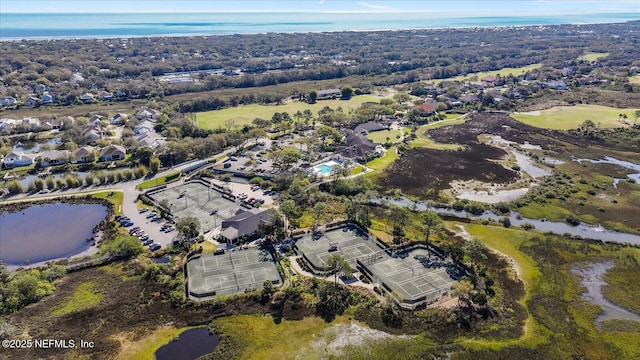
(380, 137)
(517, 71)
(634, 79)
(423, 141)
(382, 162)
(85, 296)
(116, 199)
(245, 114)
(571, 117)
(158, 181)
(592, 56)
(260, 338)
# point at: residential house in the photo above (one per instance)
(95, 120)
(92, 133)
(30, 123)
(329, 94)
(113, 152)
(42, 88)
(105, 96)
(7, 124)
(54, 157)
(47, 99)
(16, 159)
(149, 114)
(143, 127)
(8, 101)
(87, 98)
(424, 109)
(150, 139)
(469, 99)
(77, 77)
(245, 224)
(368, 127)
(554, 85)
(85, 154)
(32, 102)
(119, 119)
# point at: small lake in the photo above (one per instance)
(614, 161)
(591, 277)
(32, 147)
(46, 232)
(191, 344)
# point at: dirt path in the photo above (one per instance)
(514, 264)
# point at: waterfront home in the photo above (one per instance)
(16, 159)
(54, 157)
(84, 154)
(113, 152)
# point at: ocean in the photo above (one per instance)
(65, 26)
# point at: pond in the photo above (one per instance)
(191, 344)
(32, 147)
(591, 278)
(46, 232)
(30, 178)
(614, 161)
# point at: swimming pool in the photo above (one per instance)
(325, 169)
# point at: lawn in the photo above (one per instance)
(516, 71)
(571, 117)
(258, 337)
(85, 296)
(381, 163)
(592, 56)
(245, 114)
(380, 137)
(424, 141)
(159, 181)
(116, 199)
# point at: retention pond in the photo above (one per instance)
(47, 232)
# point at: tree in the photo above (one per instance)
(475, 250)
(154, 164)
(338, 265)
(318, 212)
(313, 96)
(14, 187)
(124, 245)
(346, 92)
(189, 227)
(431, 224)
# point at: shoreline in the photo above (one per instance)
(86, 253)
(302, 31)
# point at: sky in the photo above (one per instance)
(468, 6)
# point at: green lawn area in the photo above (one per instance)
(144, 349)
(516, 71)
(382, 162)
(116, 199)
(380, 137)
(357, 169)
(634, 79)
(245, 114)
(84, 297)
(258, 337)
(159, 181)
(592, 56)
(571, 117)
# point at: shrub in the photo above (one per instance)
(573, 220)
(527, 226)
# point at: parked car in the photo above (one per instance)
(151, 214)
(144, 237)
(133, 230)
(227, 165)
(44, 191)
(169, 229)
(155, 247)
(147, 242)
(127, 224)
(143, 210)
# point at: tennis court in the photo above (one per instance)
(200, 201)
(417, 275)
(350, 242)
(230, 273)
